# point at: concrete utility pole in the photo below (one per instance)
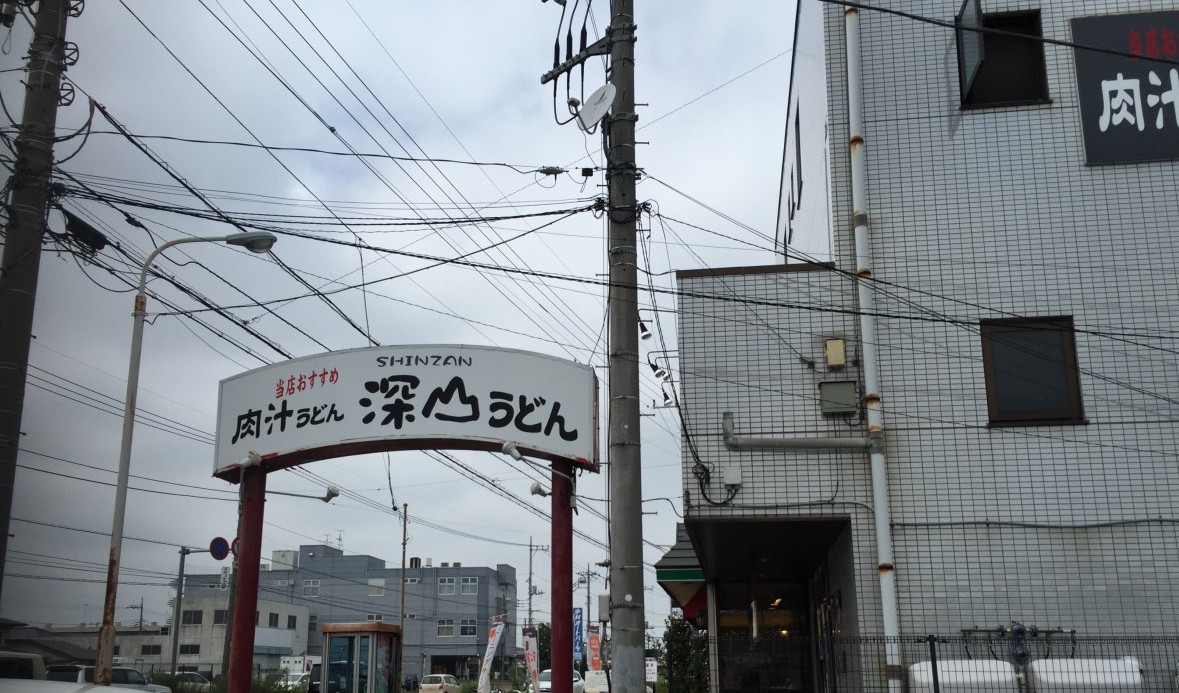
(177, 609)
(27, 211)
(627, 612)
(404, 545)
(531, 590)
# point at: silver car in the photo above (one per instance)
(124, 677)
(546, 681)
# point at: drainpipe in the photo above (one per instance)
(733, 442)
(868, 340)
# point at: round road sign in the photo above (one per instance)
(219, 548)
(236, 546)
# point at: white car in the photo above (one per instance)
(192, 681)
(123, 677)
(439, 683)
(546, 681)
(295, 681)
(41, 686)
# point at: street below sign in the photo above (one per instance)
(219, 548)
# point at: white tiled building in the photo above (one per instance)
(1024, 298)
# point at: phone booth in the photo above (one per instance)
(361, 658)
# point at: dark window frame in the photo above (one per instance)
(996, 74)
(292, 622)
(272, 619)
(1074, 412)
(150, 650)
(192, 617)
(189, 649)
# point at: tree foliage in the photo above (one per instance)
(683, 659)
(544, 644)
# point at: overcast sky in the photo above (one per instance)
(445, 80)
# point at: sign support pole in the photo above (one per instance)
(241, 652)
(561, 652)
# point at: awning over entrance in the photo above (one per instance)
(737, 550)
(679, 574)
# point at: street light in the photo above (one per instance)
(254, 241)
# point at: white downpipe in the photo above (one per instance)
(882, 514)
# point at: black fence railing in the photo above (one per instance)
(999, 661)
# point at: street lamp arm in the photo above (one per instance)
(254, 241)
(151, 258)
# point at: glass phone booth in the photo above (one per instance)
(360, 658)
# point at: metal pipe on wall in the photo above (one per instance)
(868, 341)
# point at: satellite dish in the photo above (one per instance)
(596, 106)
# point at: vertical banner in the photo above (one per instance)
(595, 678)
(595, 649)
(532, 658)
(578, 640)
(493, 636)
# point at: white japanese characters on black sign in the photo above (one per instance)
(1129, 103)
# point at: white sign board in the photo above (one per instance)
(652, 670)
(596, 681)
(406, 398)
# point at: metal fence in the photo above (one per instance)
(1014, 660)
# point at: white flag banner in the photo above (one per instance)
(493, 636)
(532, 658)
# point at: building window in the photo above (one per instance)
(311, 588)
(467, 627)
(1000, 69)
(411, 616)
(1031, 371)
(190, 649)
(292, 622)
(376, 587)
(273, 620)
(798, 155)
(192, 618)
(446, 585)
(220, 616)
(150, 650)
(470, 585)
(412, 581)
(116, 651)
(446, 627)
(375, 617)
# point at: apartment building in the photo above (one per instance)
(947, 408)
(448, 606)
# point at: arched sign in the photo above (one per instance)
(409, 397)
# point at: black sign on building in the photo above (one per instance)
(1129, 104)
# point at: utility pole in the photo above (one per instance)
(532, 590)
(627, 610)
(27, 212)
(176, 605)
(404, 544)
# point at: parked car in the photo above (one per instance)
(41, 686)
(124, 677)
(316, 678)
(439, 683)
(546, 682)
(21, 665)
(190, 681)
(296, 681)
